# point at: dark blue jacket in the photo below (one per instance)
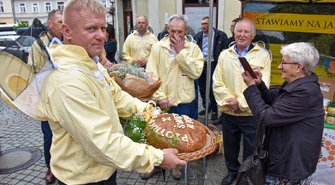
(110, 47)
(294, 123)
(220, 39)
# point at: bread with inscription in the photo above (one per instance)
(175, 131)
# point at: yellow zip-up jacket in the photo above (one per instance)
(83, 108)
(228, 81)
(176, 72)
(137, 47)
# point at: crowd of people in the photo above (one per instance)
(84, 141)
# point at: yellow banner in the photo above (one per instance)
(293, 22)
(276, 77)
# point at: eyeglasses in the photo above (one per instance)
(286, 63)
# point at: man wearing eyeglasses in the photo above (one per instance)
(228, 87)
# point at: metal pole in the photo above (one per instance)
(113, 14)
(13, 11)
(208, 74)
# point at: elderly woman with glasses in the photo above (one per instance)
(293, 116)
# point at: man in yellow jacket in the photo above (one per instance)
(176, 62)
(37, 57)
(228, 87)
(83, 105)
(137, 47)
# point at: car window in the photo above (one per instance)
(10, 43)
(25, 41)
(2, 43)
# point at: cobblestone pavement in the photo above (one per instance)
(18, 130)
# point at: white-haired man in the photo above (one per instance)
(228, 87)
(176, 62)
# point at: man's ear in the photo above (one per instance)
(49, 24)
(66, 32)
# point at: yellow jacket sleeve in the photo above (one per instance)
(220, 90)
(152, 68)
(191, 63)
(123, 101)
(80, 114)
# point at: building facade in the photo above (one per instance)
(122, 13)
(13, 11)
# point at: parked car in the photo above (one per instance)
(16, 45)
(7, 29)
(20, 31)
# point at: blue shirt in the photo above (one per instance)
(244, 52)
(205, 46)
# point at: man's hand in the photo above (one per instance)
(171, 160)
(177, 43)
(136, 62)
(143, 62)
(164, 103)
(232, 104)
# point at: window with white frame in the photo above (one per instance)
(103, 2)
(47, 6)
(22, 7)
(35, 7)
(1, 7)
(60, 5)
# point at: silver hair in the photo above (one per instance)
(93, 5)
(304, 53)
(253, 27)
(179, 18)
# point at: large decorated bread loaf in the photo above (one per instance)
(175, 131)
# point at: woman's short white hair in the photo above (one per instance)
(304, 53)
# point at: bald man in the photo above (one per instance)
(137, 47)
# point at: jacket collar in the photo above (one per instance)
(255, 47)
(203, 33)
(313, 78)
(72, 55)
(146, 33)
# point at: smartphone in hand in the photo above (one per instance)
(246, 66)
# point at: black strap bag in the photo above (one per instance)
(252, 170)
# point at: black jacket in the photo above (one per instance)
(162, 34)
(229, 40)
(220, 39)
(294, 125)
